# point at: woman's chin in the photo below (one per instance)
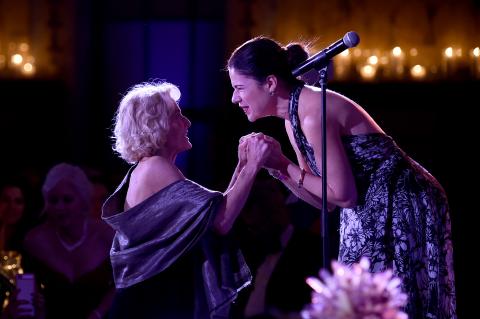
(187, 147)
(252, 117)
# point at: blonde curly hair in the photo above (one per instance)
(142, 119)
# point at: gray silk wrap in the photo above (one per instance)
(152, 235)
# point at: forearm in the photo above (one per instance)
(237, 171)
(292, 185)
(234, 198)
(290, 175)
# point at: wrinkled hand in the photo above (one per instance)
(242, 148)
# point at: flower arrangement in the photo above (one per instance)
(355, 293)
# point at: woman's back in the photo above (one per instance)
(149, 176)
(345, 115)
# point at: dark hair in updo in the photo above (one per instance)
(262, 56)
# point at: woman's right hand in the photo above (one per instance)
(257, 149)
(276, 159)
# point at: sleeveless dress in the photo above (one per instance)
(401, 221)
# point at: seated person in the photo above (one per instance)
(69, 251)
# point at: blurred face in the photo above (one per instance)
(252, 97)
(177, 137)
(63, 203)
(12, 204)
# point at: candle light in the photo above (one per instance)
(475, 62)
(343, 64)
(17, 61)
(398, 62)
(367, 72)
(447, 64)
(418, 72)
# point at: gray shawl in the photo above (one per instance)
(152, 235)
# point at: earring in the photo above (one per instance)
(272, 93)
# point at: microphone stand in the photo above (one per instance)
(324, 213)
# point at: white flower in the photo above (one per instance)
(355, 293)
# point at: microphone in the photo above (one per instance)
(320, 60)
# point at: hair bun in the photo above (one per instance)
(296, 54)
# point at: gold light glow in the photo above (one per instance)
(418, 71)
(448, 52)
(367, 72)
(476, 52)
(28, 69)
(373, 60)
(397, 51)
(17, 59)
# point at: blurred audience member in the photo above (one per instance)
(13, 219)
(70, 250)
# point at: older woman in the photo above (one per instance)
(171, 257)
(70, 249)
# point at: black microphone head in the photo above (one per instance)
(351, 39)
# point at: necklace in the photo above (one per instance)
(74, 245)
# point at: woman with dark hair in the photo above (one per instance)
(392, 210)
(13, 214)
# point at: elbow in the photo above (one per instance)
(348, 203)
(221, 227)
(348, 200)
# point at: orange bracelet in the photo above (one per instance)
(302, 176)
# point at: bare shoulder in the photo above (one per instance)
(343, 114)
(149, 177)
(310, 110)
(350, 116)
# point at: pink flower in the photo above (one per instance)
(355, 293)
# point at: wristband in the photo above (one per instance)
(275, 173)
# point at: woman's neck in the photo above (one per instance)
(161, 154)
(283, 102)
(73, 236)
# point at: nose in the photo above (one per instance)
(187, 122)
(235, 97)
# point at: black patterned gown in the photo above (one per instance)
(401, 220)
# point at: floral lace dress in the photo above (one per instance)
(401, 221)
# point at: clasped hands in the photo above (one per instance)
(261, 150)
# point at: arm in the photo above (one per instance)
(242, 158)
(341, 189)
(256, 149)
(289, 174)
